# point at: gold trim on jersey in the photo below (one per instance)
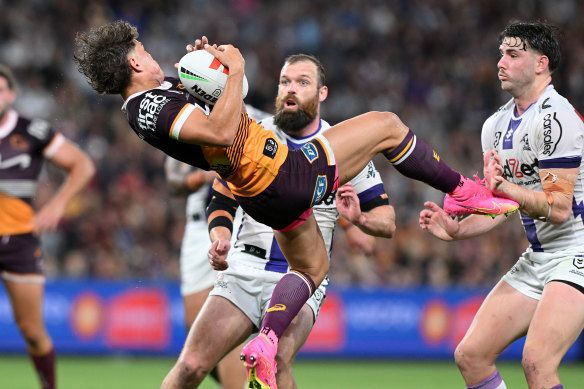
(15, 216)
(245, 165)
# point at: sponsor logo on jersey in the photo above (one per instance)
(525, 143)
(513, 168)
(579, 261)
(220, 165)
(497, 139)
(319, 190)
(149, 110)
(310, 151)
(270, 148)
(38, 128)
(550, 139)
(277, 307)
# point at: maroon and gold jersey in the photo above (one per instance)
(24, 144)
(249, 165)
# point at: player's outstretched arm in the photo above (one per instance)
(444, 227)
(554, 204)
(80, 169)
(220, 126)
(379, 221)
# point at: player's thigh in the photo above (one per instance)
(296, 334)
(557, 322)
(219, 327)
(26, 298)
(357, 140)
(193, 303)
(304, 249)
(503, 317)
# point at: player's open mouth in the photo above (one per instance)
(290, 104)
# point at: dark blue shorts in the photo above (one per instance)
(308, 176)
(20, 254)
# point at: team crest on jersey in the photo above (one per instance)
(18, 142)
(310, 152)
(579, 261)
(525, 143)
(270, 148)
(319, 190)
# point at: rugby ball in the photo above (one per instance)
(204, 76)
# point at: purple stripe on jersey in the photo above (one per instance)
(578, 209)
(508, 139)
(531, 232)
(277, 261)
(371, 193)
(560, 163)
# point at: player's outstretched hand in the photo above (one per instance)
(348, 203)
(199, 45)
(229, 56)
(438, 222)
(493, 171)
(218, 254)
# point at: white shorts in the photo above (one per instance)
(195, 271)
(534, 270)
(250, 288)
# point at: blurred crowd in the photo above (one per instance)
(433, 62)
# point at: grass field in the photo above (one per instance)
(142, 373)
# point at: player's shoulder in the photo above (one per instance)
(551, 101)
(34, 127)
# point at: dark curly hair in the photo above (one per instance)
(101, 56)
(540, 36)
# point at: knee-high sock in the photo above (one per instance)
(415, 159)
(45, 368)
(493, 382)
(290, 294)
(560, 386)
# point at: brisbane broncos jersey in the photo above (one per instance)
(23, 146)
(548, 135)
(157, 116)
(258, 239)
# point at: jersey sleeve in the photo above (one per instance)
(558, 140)
(369, 188)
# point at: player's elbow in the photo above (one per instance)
(560, 216)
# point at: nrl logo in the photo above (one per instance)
(579, 261)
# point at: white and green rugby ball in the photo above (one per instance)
(204, 76)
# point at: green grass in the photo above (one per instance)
(16, 372)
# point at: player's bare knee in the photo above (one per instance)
(191, 367)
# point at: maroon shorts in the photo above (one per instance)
(20, 254)
(306, 177)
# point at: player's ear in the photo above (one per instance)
(322, 93)
(134, 62)
(541, 64)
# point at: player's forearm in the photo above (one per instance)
(77, 178)
(226, 114)
(379, 221)
(476, 225)
(550, 206)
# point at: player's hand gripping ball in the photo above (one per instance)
(204, 76)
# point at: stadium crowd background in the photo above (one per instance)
(433, 62)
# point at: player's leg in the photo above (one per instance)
(193, 303)
(26, 295)
(289, 345)
(219, 327)
(306, 254)
(356, 141)
(503, 317)
(556, 324)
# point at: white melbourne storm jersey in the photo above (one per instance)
(548, 135)
(258, 240)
